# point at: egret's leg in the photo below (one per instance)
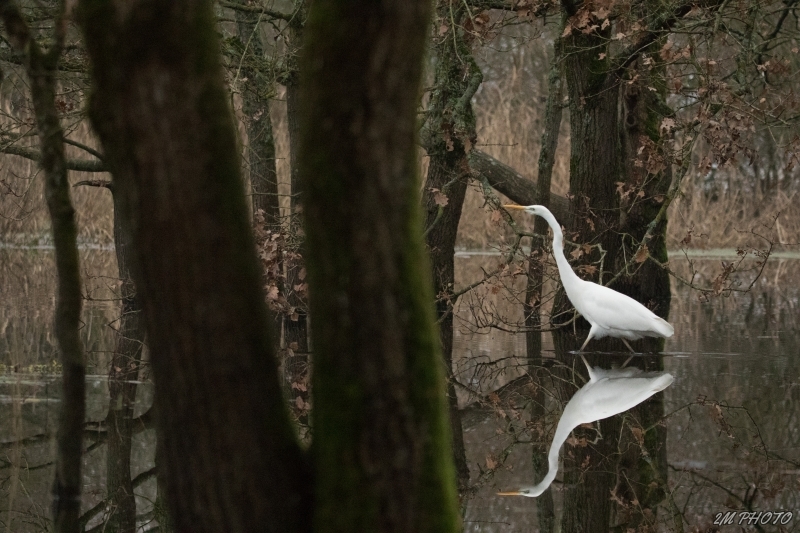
(588, 338)
(592, 333)
(628, 345)
(628, 360)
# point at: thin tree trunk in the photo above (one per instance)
(159, 105)
(381, 439)
(124, 371)
(260, 159)
(545, 509)
(41, 68)
(295, 325)
(255, 107)
(449, 135)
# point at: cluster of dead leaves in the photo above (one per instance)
(592, 16)
(729, 136)
(650, 157)
(671, 53)
(273, 254)
(480, 26)
(718, 416)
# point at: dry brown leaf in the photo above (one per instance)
(641, 254)
(439, 198)
(638, 434)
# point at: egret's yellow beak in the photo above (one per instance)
(513, 492)
(510, 206)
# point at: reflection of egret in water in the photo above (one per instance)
(608, 392)
(611, 313)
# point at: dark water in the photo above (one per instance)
(731, 414)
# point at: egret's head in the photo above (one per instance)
(530, 209)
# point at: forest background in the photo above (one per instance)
(638, 112)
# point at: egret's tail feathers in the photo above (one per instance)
(662, 383)
(664, 328)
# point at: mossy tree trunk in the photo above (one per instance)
(606, 125)
(381, 438)
(41, 68)
(448, 137)
(642, 472)
(160, 107)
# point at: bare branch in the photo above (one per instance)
(288, 17)
(85, 148)
(80, 165)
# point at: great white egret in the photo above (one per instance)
(608, 392)
(611, 314)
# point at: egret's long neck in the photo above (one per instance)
(562, 433)
(569, 278)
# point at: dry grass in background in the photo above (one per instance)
(509, 109)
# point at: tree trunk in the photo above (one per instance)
(448, 136)
(595, 165)
(255, 107)
(545, 508)
(260, 144)
(381, 439)
(643, 469)
(124, 371)
(295, 325)
(41, 69)
(604, 153)
(160, 107)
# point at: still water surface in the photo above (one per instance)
(733, 428)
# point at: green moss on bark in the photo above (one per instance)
(381, 443)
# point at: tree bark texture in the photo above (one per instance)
(545, 508)
(381, 438)
(595, 147)
(161, 110)
(123, 373)
(448, 136)
(41, 68)
(647, 175)
(602, 155)
(642, 473)
(604, 152)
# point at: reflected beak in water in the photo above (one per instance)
(510, 206)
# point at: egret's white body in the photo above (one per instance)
(610, 313)
(608, 392)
